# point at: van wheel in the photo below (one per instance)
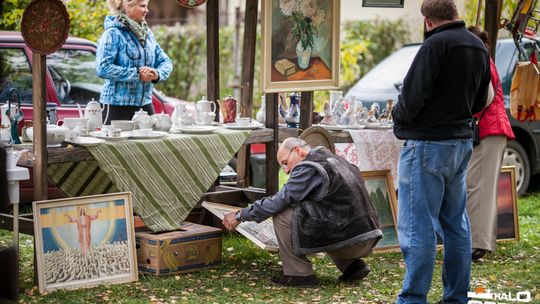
(515, 155)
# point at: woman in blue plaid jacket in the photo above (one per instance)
(130, 60)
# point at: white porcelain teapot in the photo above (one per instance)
(142, 120)
(161, 122)
(204, 107)
(93, 112)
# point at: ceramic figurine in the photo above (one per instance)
(327, 120)
(339, 110)
(14, 117)
(376, 108)
(292, 115)
(390, 107)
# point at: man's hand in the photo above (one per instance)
(230, 222)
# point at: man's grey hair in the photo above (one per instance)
(117, 6)
(439, 10)
(291, 142)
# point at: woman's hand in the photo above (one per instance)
(147, 74)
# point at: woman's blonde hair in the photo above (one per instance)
(117, 6)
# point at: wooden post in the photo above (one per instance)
(246, 84)
(272, 167)
(248, 61)
(40, 132)
(491, 25)
(212, 51)
(306, 110)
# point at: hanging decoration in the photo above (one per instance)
(45, 26)
(190, 3)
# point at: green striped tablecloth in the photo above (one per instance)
(167, 177)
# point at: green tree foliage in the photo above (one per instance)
(86, 16)
(363, 45)
(186, 46)
(471, 7)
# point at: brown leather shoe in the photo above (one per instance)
(355, 272)
(296, 281)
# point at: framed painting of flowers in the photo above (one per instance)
(300, 45)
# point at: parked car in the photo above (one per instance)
(384, 81)
(70, 80)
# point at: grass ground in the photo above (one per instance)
(244, 275)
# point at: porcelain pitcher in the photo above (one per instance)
(204, 107)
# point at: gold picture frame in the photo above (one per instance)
(380, 187)
(293, 60)
(84, 241)
(507, 211)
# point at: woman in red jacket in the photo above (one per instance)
(485, 164)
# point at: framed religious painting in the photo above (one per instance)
(84, 241)
(300, 50)
(507, 212)
(381, 191)
(383, 3)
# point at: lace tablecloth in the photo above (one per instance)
(372, 149)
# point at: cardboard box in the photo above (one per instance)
(186, 250)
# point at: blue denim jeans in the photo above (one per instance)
(432, 199)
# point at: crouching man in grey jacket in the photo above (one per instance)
(324, 207)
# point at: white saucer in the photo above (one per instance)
(252, 126)
(86, 141)
(194, 129)
(378, 125)
(355, 127)
(334, 127)
(147, 135)
(123, 136)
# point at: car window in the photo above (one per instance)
(15, 72)
(74, 76)
(384, 76)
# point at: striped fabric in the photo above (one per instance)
(167, 177)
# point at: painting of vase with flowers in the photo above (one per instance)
(300, 45)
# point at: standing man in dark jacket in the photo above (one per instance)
(446, 84)
(324, 207)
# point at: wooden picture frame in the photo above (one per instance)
(315, 65)
(383, 3)
(84, 229)
(507, 211)
(262, 234)
(380, 187)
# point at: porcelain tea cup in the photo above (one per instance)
(105, 130)
(114, 132)
(243, 121)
